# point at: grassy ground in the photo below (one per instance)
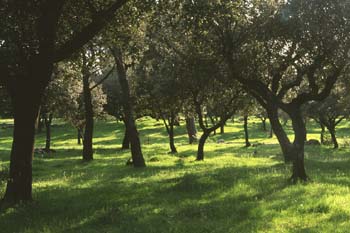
(234, 190)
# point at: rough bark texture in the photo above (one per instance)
(246, 135)
(89, 120)
(136, 152)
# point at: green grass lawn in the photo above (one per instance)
(235, 189)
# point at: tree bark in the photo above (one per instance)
(26, 112)
(281, 135)
(126, 142)
(191, 129)
(170, 130)
(331, 130)
(200, 152)
(246, 135)
(299, 128)
(89, 119)
(136, 152)
(48, 121)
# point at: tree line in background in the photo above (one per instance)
(204, 60)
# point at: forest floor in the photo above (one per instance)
(235, 189)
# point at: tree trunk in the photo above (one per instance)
(271, 132)
(136, 152)
(126, 142)
(263, 121)
(79, 136)
(331, 130)
(26, 99)
(200, 152)
(222, 129)
(191, 129)
(281, 135)
(322, 133)
(246, 136)
(171, 139)
(48, 121)
(299, 128)
(89, 120)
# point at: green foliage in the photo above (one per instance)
(233, 190)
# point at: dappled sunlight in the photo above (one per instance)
(235, 189)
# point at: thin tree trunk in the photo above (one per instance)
(200, 152)
(169, 126)
(246, 135)
(89, 119)
(191, 129)
(136, 152)
(263, 121)
(222, 129)
(322, 133)
(48, 121)
(79, 136)
(171, 139)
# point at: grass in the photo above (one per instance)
(235, 189)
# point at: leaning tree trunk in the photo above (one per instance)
(246, 135)
(136, 152)
(298, 169)
(26, 99)
(281, 135)
(200, 152)
(48, 121)
(89, 120)
(191, 129)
